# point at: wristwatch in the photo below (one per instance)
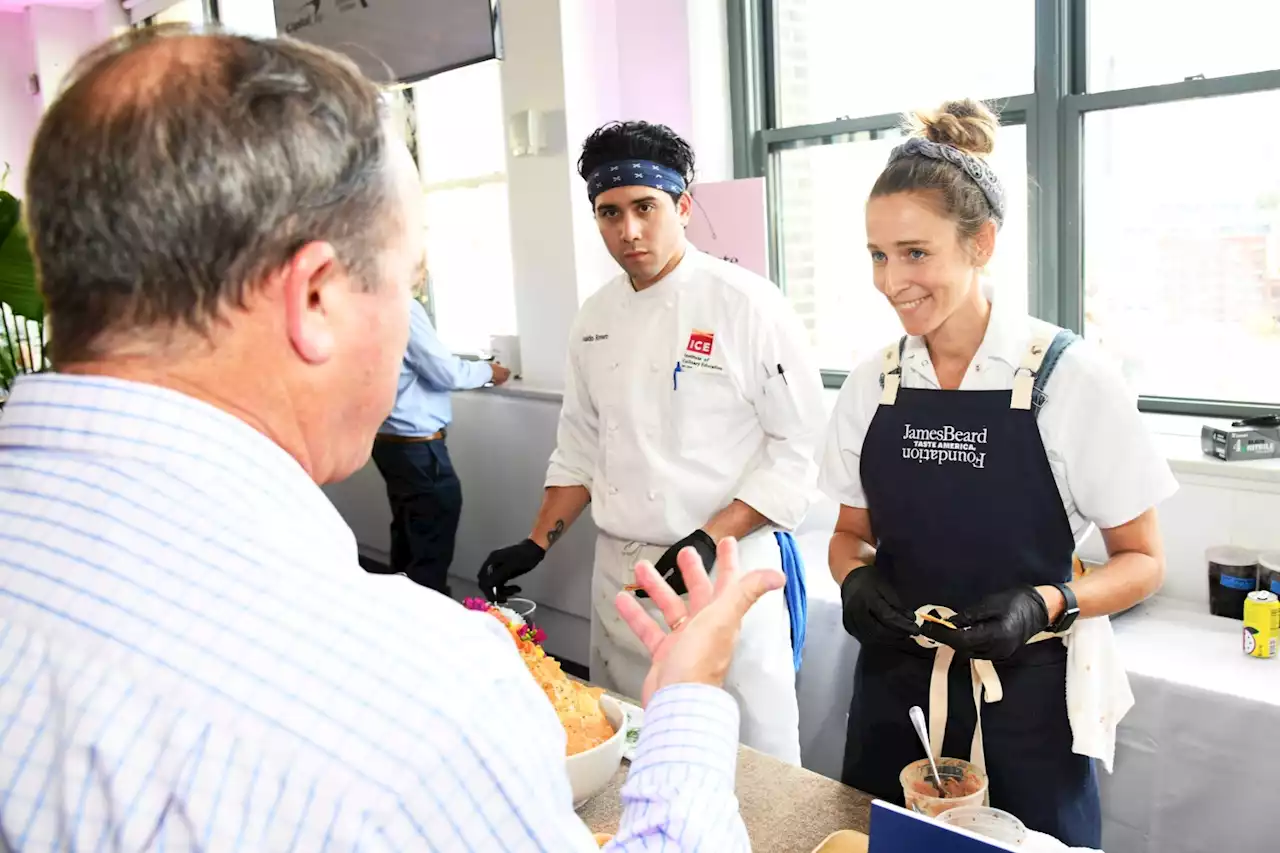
(1070, 610)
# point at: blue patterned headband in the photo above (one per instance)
(975, 167)
(634, 173)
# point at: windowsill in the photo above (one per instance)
(1178, 437)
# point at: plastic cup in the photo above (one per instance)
(987, 822)
(921, 796)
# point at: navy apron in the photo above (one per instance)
(963, 504)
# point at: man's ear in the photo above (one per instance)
(309, 283)
(684, 208)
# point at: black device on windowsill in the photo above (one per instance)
(1251, 438)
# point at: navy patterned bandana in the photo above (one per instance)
(975, 167)
(634, 173)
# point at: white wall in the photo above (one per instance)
(19, 109)
(61, 36)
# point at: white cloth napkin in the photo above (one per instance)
(1098, 693)
(1038, 842)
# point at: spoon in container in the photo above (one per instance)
(917, 720)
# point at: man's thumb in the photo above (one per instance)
(753, 585)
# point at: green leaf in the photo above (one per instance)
(18, 287)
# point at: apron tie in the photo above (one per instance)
(986, 684)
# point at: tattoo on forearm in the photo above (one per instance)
(554, 534)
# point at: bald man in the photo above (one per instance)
(227, 232)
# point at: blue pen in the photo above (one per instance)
(675, 378)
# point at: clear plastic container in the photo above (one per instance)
(987, 822)
(921, 795)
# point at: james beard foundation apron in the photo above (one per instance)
(963, 504)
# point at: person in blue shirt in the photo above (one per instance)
(410, 452)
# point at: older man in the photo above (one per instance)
(192, 659)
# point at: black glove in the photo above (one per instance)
(507, 563)
(873, 613)
(997, 626)
(699, 541)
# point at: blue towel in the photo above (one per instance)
(797, 597)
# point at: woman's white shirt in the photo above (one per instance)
(1104, 461)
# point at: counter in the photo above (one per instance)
(786, 809)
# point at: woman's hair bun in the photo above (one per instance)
(967, 124)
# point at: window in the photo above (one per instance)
(462, 157)
(1140, 145)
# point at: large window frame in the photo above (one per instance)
(1054, 116)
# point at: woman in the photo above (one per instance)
(974, 501)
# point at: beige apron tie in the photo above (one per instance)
(985, 681)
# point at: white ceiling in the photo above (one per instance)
(19, 5)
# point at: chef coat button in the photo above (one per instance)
(653, 365)
(613, 366)
(613, 490)
(653, 496)
(671, 304)
(613, 426)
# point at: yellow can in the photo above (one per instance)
(1261, 624)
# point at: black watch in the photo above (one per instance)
(1069, 612)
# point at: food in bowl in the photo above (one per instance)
(963, 784)
(578, 706)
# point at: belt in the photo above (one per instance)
(411, 439)
(985, 680)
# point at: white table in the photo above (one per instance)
(1197, 760)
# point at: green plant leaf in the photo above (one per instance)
(18, 288)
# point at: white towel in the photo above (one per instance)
(1098, 693)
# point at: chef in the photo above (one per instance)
(969, 458)
(692, 412)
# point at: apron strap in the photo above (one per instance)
(891, 372)
(1024, 378)
(985, 681)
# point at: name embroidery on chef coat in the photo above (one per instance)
(697, 353)
(945, 446)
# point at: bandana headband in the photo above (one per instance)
(975, 167)
(634, 173)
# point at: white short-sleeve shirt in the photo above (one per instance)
(1104, 461)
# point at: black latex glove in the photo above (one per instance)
(872, 612)
(997, 626)
(507, 563)
(699, 541)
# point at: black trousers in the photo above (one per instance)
(426, 504)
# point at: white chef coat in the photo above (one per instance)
(663, 451)
(1104, 462)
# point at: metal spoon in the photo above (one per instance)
(917, 720)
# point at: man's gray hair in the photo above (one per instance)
(177, 170)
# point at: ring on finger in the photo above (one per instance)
(675, 626)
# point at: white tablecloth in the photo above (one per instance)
(1196, 760)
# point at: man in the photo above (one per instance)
(691, 413)
(227, 233)
(410, 452)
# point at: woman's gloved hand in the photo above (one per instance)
(997, 626)
(873, 613)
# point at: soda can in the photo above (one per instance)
(1261, 624)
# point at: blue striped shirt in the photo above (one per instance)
(429, 372)
(191, 659)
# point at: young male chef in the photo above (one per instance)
(692, 411)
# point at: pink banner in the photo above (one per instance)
(729, 222)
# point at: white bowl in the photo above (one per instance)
(591, 770)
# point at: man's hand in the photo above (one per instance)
(872, 612)
(500, 373)
(507, 563)
(997, 626)
(699, 541)
(704, 630)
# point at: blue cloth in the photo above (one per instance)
(430, 371)
(634, 173)
(797, 595)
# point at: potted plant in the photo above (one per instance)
(23, 336)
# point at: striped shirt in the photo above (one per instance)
(191, 659)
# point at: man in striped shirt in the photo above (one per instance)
(191, 658)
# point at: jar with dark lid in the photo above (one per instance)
(1233, 574)
(1269, 571)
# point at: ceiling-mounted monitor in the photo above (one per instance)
(400, 41)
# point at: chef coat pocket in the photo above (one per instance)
(778, 410)
(706, 404)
